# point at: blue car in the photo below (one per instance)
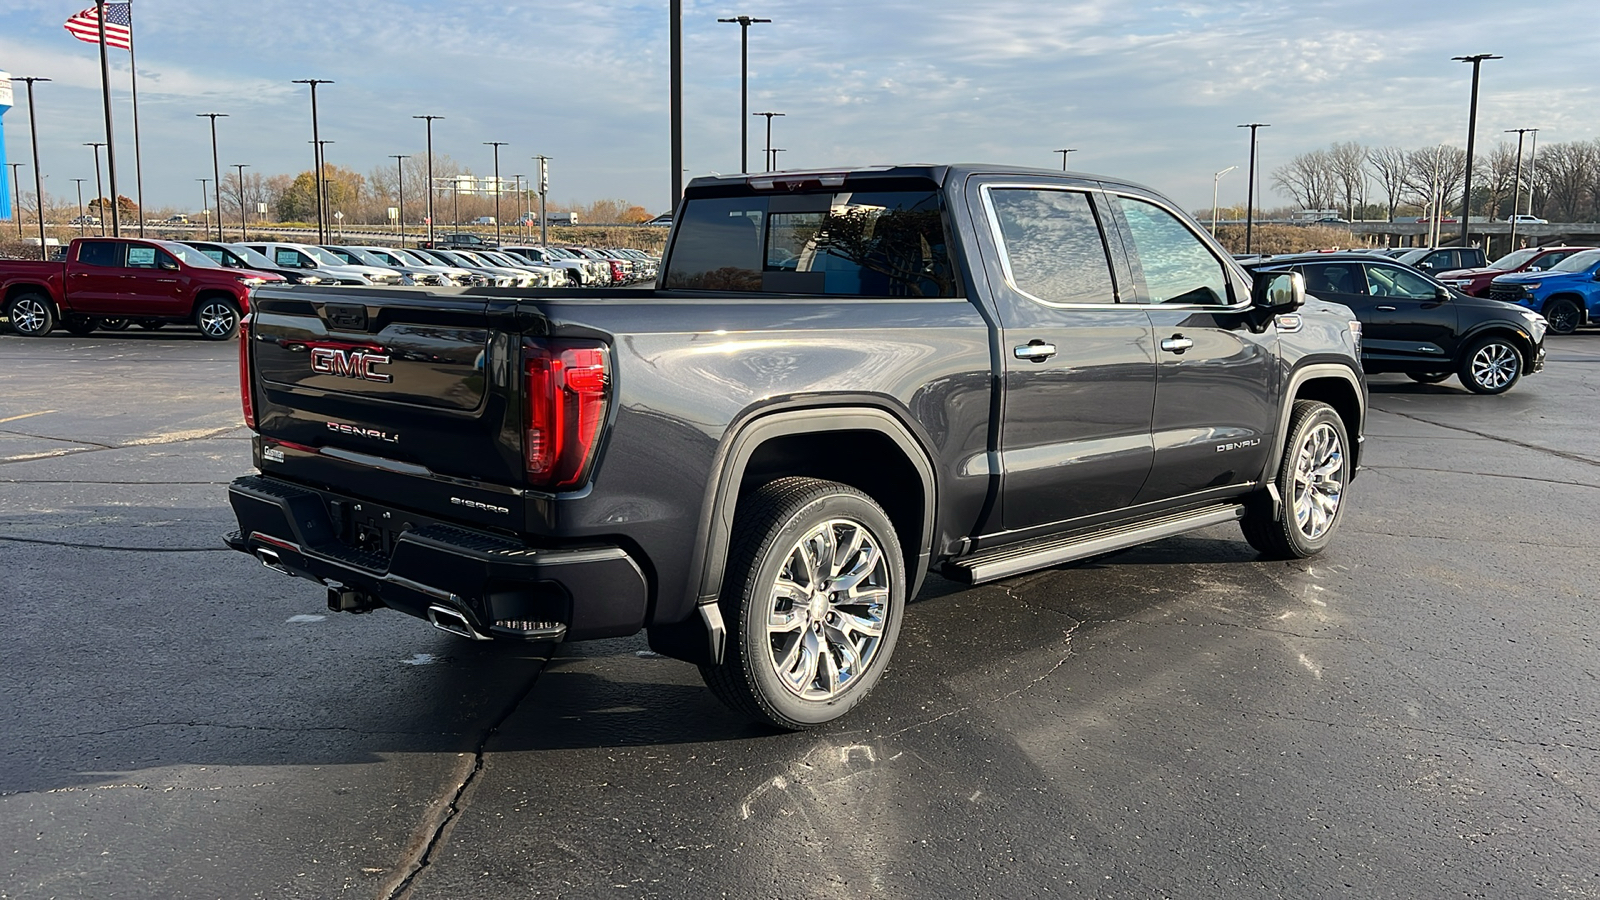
(1568, 294)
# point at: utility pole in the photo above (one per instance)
(674, 101)
(1064, 156)
(16, 196)
(544, 188)
(400, 188)
(216, 170)
(38, 179)
(429, 121)
(496, 145)
(1250, 193)
(744, 23)
(99, 188)
(244, 221)
(316, 152)
(768, 153)
(1472, 131)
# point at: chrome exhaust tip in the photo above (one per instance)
(455, 622)
(272, 560)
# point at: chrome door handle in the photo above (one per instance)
(1037, 351)
(1387, 308)
(1176, 344)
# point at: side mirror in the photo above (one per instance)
(1278, 292)
(1441, 292)
(1535, 268)
(170, 265)
(1424, 265)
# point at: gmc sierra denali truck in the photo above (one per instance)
(845, 380)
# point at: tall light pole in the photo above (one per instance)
(1472, 131)
(496, 145)
(316, 153)
(544, 188)
(82, 226)
(1533, 170)
(38, 180)
(1516, 185)
(325, 195)
(769, 116)
(1250, 193)
(216, 170)
(775, 152)
(429, 121)
(1216, 180)
(674, 100)
(1064, 154)
(244, 222)
(400, 188)
(205, 197)
(744, 23)
(99, 189)
(522, 214)
(16, 196)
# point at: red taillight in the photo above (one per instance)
(244, 374)
(567, 392)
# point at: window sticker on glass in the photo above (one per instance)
(141, 257)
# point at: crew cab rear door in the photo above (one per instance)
(405, 393)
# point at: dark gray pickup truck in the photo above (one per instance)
(844, 380)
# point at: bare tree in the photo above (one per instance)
(1434, 176)
(1308, 179)
(1494, 175)
(1568, 176)
(1389, 165)
(1345, 166)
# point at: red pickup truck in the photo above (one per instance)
(108, 282)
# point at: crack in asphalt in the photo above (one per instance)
(181, 437)
(1562, 454)
(1548, 545)
(1435, 732)
(1483, 475)
(111, 483)
(78, 546)
(445, 813)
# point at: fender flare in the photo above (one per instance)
(1297, 378)
(722, 490)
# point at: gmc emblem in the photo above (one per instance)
(350, 364)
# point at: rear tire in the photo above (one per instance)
(217, 318)
(1563, 315)
(1311, 480)
(813, 595)
(1491, 365)
(31, 315)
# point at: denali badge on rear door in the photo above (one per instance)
(349, 363)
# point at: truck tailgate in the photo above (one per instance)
(408, 394)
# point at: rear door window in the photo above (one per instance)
(101, 253)
(1053, 249)
(1335, 278)
(1393, 281)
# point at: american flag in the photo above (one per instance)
(85, 26)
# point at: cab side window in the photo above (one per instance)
(1343, 278)
(1177, 266)
(1053, 246)
(101, 253)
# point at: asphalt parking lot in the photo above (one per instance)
(1411, 714)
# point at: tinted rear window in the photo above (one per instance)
(865, 243)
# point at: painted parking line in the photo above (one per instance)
(42, 412)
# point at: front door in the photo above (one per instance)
(1406, 323)
(154, 286)
(1216, 406)
(1079, 366)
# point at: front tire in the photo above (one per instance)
(1563, 315)
(217, 318)
(1311, 480)
(813, 596)
(31, 315)
(1491, 366)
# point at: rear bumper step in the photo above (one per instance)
(1003, 562)
(469, 583)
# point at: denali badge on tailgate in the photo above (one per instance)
(349, 363)
(358, 431)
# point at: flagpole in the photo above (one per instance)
(105, 91)
(138, 163)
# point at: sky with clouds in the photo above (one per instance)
(1150, 92)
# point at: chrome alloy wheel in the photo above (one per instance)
(1318, 484)
(29, 315)
(828, 610)
(1495, 365)
(217, 319)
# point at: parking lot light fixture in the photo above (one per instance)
(429, 120)
(205, 197)
(38, 179)
(1472, 129)
(316, 151)
(1250, 192)
(400, 189)
(82, 223)
(216, 170)
(244, 222)
(775, 152)
(744, 23)
(768, 153)
(1064, 154)
(496, 145)
(99, 186)
(1215, 180)
(16, 196)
